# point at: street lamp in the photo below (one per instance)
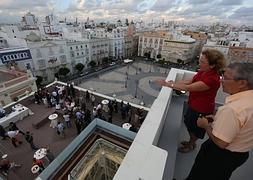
(126, 82)
(136, 85)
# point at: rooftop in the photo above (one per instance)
(153, 153)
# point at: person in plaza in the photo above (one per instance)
(115, 105)
(66, 118)
(93, 99)
(202, 90)
(83, 106)
(13, 127)
(94, 112)
(6, 164)
(99, 110)
(2, 132)
(2, 111)
(60, 129)
(14, 136)
(29, 139)
(79, 125)
(37, 98)
(48, 97)
(110, 106)
(40, 163)
(110, 118)
(87, 96)
(231, 133)
(87, 116)
(49, 155)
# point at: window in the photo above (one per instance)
(81, 47)
(70, 48)
(38, 53)
(50, 51)
(63, 59)
(76, 47)
(41, 63)
(61, 49)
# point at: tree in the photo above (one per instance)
(92, 64)
(105, 60)
(79, 67)
(63, 71)
(179, 61)
(161, 61)
(38, 81)
(127, 23)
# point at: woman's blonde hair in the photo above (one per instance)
(215, 58)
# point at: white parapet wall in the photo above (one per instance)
(144, 160)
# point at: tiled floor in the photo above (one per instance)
(44, 136)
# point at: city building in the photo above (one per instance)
(78, 52)
(151, 43)
(116, 43)
(18, 57)
(240, 54)
(48, 57)
(201, 39)
(98, 49)
(15, 85)
(179, 49)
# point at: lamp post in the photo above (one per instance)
(126, 82)
(136, 86)
(127, 71)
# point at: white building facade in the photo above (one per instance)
(48, 56)
(116, 43)
(78, 52)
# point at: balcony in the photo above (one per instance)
(153, 154)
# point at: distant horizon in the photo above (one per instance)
(207, 12)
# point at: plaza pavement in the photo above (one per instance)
(121, 82)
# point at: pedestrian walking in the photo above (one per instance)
(29, 139)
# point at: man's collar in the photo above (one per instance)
(238, 95)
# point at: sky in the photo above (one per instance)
(186, 11)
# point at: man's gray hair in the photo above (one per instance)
(243, 71)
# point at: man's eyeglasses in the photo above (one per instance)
(224, 78)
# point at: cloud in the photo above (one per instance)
(231, 2)
(243, 14)
(182, 10)
(197, 2)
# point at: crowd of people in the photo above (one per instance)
(80, 110)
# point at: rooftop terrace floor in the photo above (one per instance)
(43, 137)
(178, 165)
